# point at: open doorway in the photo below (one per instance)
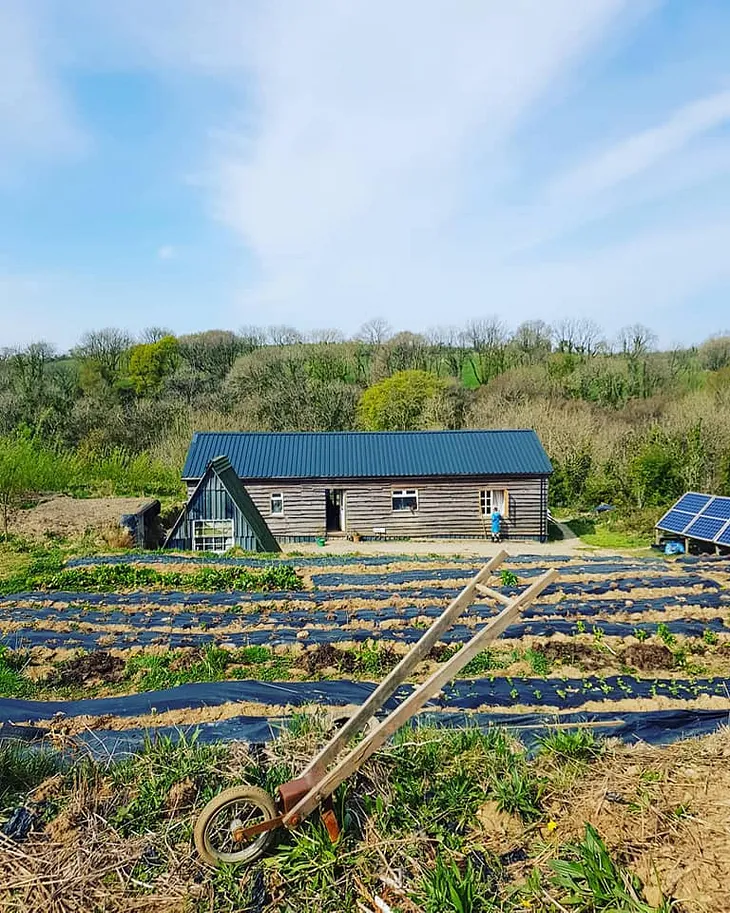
(335, 508)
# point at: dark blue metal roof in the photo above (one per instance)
(369, 454)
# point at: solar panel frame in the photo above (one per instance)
(693, 502)
(718, 508)
(705, 528)
(672, 519)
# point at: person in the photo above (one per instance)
(496, 525)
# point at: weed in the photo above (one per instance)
(448, 889)
(151, 775)
(518, 793)
(509, 578)
(539, 663)
(13, 681)
(579, 745)
(665, 635)
(23, 767)
(710, 637)
(482, 662)
(641, 634)
(592, 880)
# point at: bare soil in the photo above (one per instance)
(72, 518)
(666, 812)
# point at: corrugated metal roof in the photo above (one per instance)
(364, 454)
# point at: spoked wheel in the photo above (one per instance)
(217, 832)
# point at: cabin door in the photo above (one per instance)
(335, 507)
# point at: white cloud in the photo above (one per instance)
(35, 117)
(646, 149)
(373, 126)
(166, 252)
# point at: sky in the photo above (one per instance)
(200, 164)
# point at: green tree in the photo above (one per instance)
(151, 363)
(398, 403)
(653, 476)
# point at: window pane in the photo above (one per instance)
(405, 499)
(485, 499)
(277, 504)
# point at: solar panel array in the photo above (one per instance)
(699, 516)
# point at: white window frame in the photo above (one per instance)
(219, 541)
(280, 496)
(403, 493)
(485, 493)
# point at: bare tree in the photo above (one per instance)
(578, 336)
(375, 332)
(105, 349)
(532, 340)
(486, 340)
(282, 335)
(326, 336)
(155, 334)
(636, 340)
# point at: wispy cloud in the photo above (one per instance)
(368, 142)
(638, 153)
(36, 118)
(166, 252)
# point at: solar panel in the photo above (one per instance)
(692, 502)
(675, 521)
(705, 528)
(724, 537)
(719, 508)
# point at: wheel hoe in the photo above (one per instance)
(238, 825)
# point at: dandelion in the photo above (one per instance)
(551, 826)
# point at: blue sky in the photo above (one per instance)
(219, 163)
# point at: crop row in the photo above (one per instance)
(465, 694)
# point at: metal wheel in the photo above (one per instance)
(216, 830)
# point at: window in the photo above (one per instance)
(489, 498)
(212, 535)
(485, 499)
(405, 499)
(277, 504)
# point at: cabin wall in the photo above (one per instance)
(212, 502)
(447, 508)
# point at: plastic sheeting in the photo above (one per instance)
(333, 560)
(464, 694)
(617, 586)
(656, 727)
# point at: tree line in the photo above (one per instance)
(622, 420)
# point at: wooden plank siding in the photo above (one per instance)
(447, 507)
(211, 501)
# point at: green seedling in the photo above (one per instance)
(509, 578)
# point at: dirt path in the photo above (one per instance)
(477, 548)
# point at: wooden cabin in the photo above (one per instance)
(369, 485)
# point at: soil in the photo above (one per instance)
(665, 812)
(71, 518)
(648, 657)
(94, 668)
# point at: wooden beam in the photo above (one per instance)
(394, 679)
(415, 701)
(493, 594)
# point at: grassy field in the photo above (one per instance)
(611, 532)
(441, 822)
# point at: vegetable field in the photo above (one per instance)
(105, 649)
